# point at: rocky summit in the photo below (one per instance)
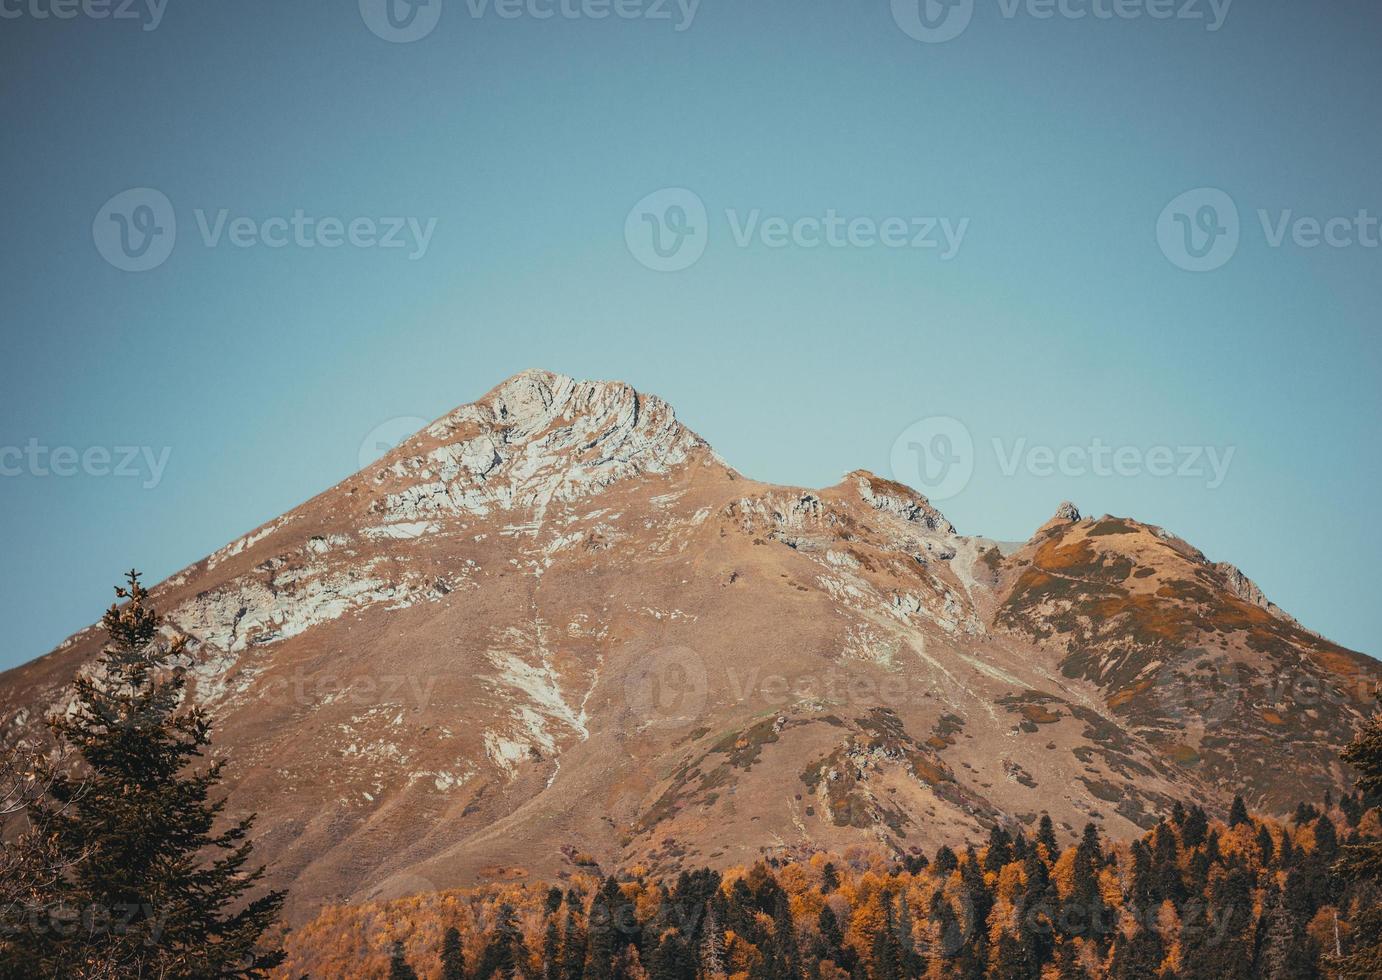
(555, 630)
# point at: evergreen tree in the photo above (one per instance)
(1326, 839)
(999, 850)
(1046, 834)
(830, 878)
(1238, 813)
(670, 959)
(551, 943)
(831, 945)
(886, 959)
(1169, 886)
(504, 951)
(909, 960)
(452, 957)
(1141, 883)
(157, 890)
(1360, 863)
(1220, 947)
(599, 957)
(1084, 913)
(946, 861)
(398, 964)
(1283, 950)
(1137, 957)
(1068, 965)
(1012, 961)
(786, 952)
(573, 943)
(713, 946)
(1194, 828)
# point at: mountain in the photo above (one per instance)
(554, 630)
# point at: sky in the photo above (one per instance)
(1012, 252)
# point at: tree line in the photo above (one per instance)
(1194, 898)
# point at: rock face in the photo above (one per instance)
(554, 628)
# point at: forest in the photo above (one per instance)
(1193, 898)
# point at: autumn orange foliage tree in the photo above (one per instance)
(1192, 898)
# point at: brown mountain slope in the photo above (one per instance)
(555, 629)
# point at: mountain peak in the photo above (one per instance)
(537, 437)
(1066, 514)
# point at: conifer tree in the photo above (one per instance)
(713, 946)
(830, 878)
(785, 959)
(1194, 827)
(1084, 913)
(551, 943)
(398, 964)
(909, 959)
(946, 861)
(831, 944)
(157, 889)
(1012, 961)
(1136, 957)
(1283, 949)
(573, 945)
(1238, 813)
(999, 850)
(1361, 863)
(505, 950)
(670, 960)
(886, 960)
(452, 957)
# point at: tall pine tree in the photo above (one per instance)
(153, 886)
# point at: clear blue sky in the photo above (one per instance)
(1058, 320)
